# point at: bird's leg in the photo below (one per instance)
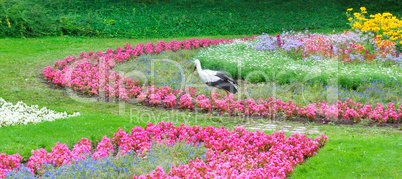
(210, 103)
(228, 102)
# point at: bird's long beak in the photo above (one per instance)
(193, 70)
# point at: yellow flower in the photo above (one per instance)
(376, 29)
(365, 28)
(356, 14)
(357, 25)
(350, 9)
(400, 42)
(350, 18)
(8, 23)
(363, 9)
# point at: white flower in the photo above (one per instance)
(244, 55)
(22, 114)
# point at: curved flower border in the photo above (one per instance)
(90, 73)
(235, 154)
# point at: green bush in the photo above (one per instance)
(175, 18)
(22, 18)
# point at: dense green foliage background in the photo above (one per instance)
(174, 18)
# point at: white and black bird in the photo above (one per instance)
(216, 79)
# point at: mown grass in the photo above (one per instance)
(355, 152)
(23, 139)
(352, 151)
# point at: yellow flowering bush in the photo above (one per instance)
(386, 27)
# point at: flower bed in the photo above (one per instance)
(386, 28)
(265, 61)
(90, 73)
(124, 166)
(370, 52)
(348, 47)
(323, 111)
(22, 114)
(237, 153)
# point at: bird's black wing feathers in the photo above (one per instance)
(226, 83)
(224, 77)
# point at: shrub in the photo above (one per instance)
(174, 18)
(23, 18)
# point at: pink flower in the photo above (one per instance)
(231, 154)
(149, 48)
(155, 99)
(170, 100)
(186, 102)
(104, 148)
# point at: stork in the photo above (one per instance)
(216, 79)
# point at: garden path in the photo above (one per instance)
(286, 127)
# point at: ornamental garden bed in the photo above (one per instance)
(237, 153)
(91, 73)
(291, 94)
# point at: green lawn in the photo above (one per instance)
(351, 152)
(356, 152)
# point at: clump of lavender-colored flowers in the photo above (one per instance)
(287, 41)
(306, 46)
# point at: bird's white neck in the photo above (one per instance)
(198, 64)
